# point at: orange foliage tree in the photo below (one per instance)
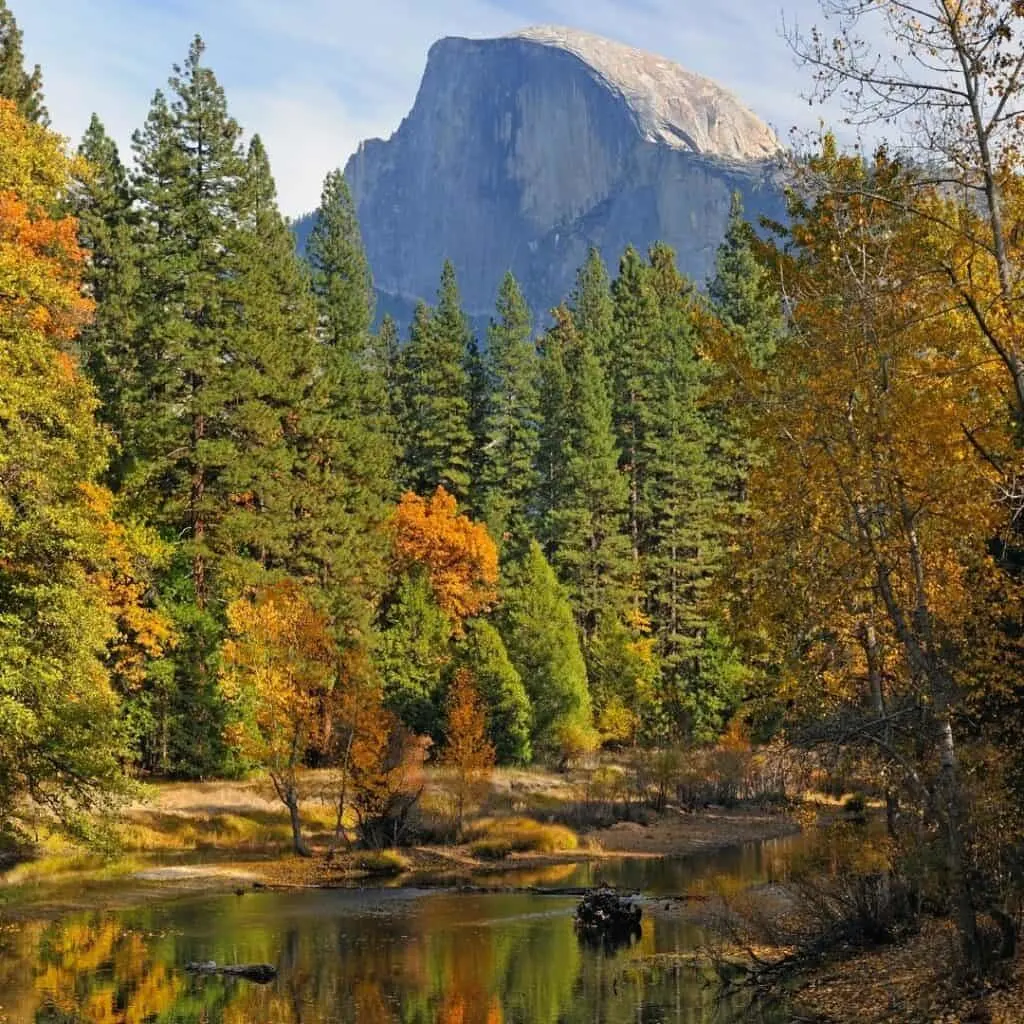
(458, 555)
(278, 672)
(467, 750)
(870, 513)
(70, 607)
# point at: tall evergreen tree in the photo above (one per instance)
(636, 370)
(586, 528)
(361, 452)
(742, 293)
(592, 307)
(436, 408)
(102, 201)
(223, 361)
(509, 715)
(682, 543)
(23, 88)
(537, 624)
(511, 422)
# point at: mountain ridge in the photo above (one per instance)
(521, 152)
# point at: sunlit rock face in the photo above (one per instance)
(522, 152)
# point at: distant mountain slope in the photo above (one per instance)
(522, 152)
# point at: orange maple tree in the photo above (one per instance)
(458, 555)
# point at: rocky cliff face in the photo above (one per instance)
(522, 152)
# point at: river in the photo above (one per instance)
(375, 955)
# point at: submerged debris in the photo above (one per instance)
(262, 974)
(604, 918)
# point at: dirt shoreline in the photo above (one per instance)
(671, 834)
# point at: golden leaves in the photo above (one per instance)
(459, 556)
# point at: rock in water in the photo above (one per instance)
(604, 918)
(524, 151)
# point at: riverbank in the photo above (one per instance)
(237, 834)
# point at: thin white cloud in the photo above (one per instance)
(314, 77)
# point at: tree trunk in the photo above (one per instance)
(292, 801)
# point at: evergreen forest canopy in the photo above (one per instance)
(240, 529)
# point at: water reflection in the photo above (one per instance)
(372, 957)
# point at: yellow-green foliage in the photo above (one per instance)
(494, 838)
(381, 862)
(244, 830)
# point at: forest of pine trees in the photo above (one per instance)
(233, 511)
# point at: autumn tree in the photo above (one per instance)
(457, 555)
(871, 517)
(62, 558)
(467, 751)
(278, 670)
(952, 84)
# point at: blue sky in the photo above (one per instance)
(313, 77)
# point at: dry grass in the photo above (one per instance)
(496, 838)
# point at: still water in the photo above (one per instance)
(369, 956)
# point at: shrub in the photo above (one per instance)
(495, 838)
(381, 862)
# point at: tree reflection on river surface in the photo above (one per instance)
(367, 956)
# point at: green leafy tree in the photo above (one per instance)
(536, 622)
(60, 742)
(414, 652)
(501, 688)
(23, 88)
(511, 421)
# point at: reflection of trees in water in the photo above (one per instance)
(442, 959)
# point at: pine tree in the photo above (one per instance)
(635, 373)
(592, 307)
(436, 429)
(341, 271)
(482, 652)
(586, 528)
(23, 88)
(682, 544)
(742, 293)
(511, 422)
(536, 622)
(357, 433)
(224, 365)
(554, 409)
(413, 655)
(102, 201)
